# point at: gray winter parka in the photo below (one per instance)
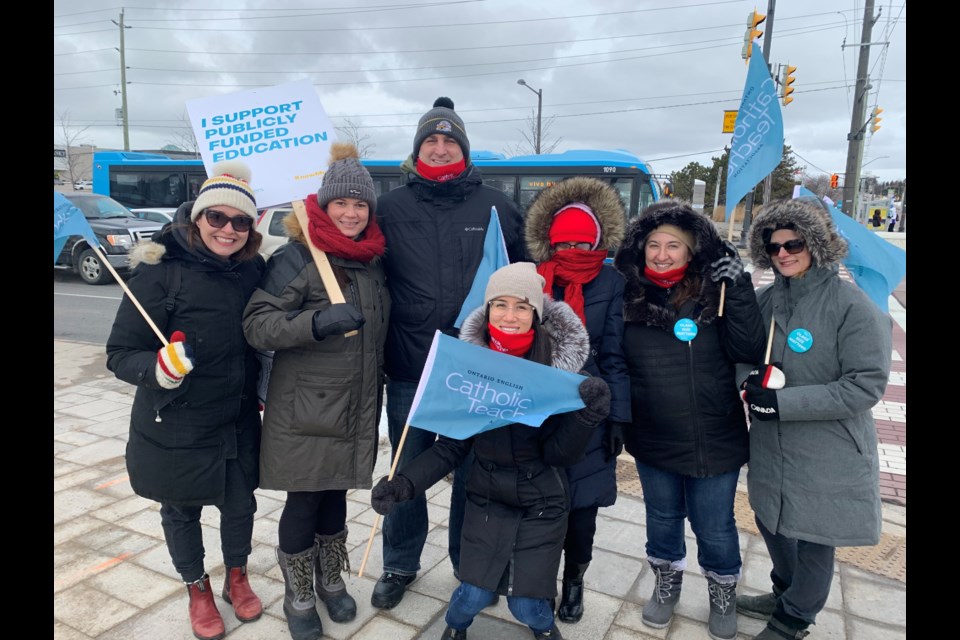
(324, 398)
(814, 473)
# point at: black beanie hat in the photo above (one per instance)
(442, 119)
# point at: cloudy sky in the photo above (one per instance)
(650, 76)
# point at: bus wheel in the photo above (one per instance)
(91, 268)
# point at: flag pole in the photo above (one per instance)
(133, 299)
(766, 358)
(376, 521)
(723, 285)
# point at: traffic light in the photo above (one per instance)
(788, 81)
(834, 181)
(752, 33)
(875, 119)
(667, 190)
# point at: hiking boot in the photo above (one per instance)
(780, 626)
(389, 589)
(331, 559)
(666, 593)
(722, 624)
(571, 593)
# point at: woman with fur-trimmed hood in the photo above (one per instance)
(689, 433)
(570, 228)
(320, 423)
(814, 471)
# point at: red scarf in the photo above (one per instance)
(515, 344)
(442, 173)
(328, 238)
(571, 269)
(665, 279)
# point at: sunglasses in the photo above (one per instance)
(218, 220)
(792, 247)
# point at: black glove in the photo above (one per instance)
(613, 438)
(338, 318)
(768, 376)
(728, 268)
(761, 402)
(387, 493)
(595, 393)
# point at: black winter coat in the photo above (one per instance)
(435, 233)
(517, 492)
(180, 439)
(688, 417)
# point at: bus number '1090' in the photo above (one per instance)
(609, 169)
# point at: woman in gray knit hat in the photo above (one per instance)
(517, 503)
(320, 424)
(813, 476)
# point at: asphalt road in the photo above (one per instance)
(83, 312)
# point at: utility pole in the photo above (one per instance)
(767, 182)
(123, 84)
(858, 121)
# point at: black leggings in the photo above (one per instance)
(307, 513)
(581, 527)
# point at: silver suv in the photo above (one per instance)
(270, 225)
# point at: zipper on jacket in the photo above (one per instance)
(380, 298)
(695, 414)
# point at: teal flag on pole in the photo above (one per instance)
(757, 145)
(466, 389)
(494, 257)
(68, 221)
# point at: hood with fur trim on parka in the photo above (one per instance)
(809, 220)
(602, 198)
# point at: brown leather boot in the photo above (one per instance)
(204, 617)
(237, 591)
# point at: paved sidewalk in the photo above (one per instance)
(113, 579)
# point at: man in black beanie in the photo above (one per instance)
(435, 225)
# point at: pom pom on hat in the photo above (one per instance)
(519, 280)
(575, 222)
(229, 186)
(346, 177)
(442, 119)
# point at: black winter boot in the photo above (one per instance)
(782, 625)
(299, 600)
(571, 596)
(331, 558)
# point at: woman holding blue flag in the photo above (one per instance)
(813, 478)
(570, 227)
(689, 433)
(517, 493)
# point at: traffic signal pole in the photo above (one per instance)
(858, 120)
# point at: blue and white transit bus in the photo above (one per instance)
(140, 180)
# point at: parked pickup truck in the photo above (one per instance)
(117, 228)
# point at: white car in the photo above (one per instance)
(82, 185)
(162, 215)
(270, 225)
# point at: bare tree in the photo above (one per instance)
(350, 131)
(69, 138)
(528, 146)
(184, 138)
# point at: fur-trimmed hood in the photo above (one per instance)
(809, 220)
(602, 198)
(151, 251)
(568, 337)
(630, 261)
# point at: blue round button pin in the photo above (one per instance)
(685, 329)
(800, 340)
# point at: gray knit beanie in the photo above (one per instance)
(442, 119)
(346, 177)
(229, 186)
(519, 280)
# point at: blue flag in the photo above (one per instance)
(494, 257)
(875, 265)
(757, 145)
(68, 221)
(466, 389)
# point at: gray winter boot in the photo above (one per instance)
(331, 559)
(722, 624)
(299, 602)
(666, 593)
(760, 607)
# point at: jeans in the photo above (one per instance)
(802, 570)
(181, 528)
(405, 528)
(469, 600)
(708, 503)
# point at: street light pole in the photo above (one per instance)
(539, 93)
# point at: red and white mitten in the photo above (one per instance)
(174, 361)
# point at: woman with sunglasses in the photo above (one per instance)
(570, 227)
(195, 423)
(813, 477)
(517, 493)
(689, 433)
(320, 422)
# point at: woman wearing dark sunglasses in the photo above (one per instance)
(320, 425)
(195, 424)
(813, 476)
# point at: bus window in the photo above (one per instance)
(624, 187)
(507, 185)
(195, 183)
(530, 186)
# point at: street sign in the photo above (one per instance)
(729, 121)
